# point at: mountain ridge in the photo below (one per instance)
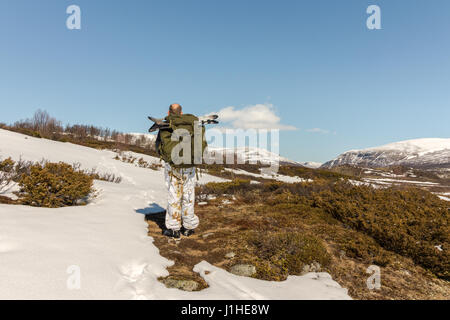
(425, 153)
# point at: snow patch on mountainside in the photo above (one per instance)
(421, 153)
(417, 146)
(253, 155)
(274, 176)
(312, 165)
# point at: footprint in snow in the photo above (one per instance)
(132, 271)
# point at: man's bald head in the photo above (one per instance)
(175, 108)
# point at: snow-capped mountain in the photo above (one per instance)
(254, 155)
(419, 153)
(311, 164)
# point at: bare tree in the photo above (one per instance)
(127, 138)
(40, 120)
(107, 134)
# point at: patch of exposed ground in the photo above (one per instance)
(7, 200)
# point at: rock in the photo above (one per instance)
(206, 235)
(186, 285)
(245, 270)
(405, 272)
(230, 255)
(313, 267)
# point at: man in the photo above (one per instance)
(179, 177)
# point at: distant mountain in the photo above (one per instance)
(310, 164)
(420, 153)
(258, 155)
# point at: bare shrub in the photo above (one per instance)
(11, 171)
(141, 163)
(288, 252)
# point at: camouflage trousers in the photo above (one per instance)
(181, 200)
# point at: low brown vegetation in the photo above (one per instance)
(309, 173)
(341, 229)
(410, 222)
(46, 184)
(54, 185)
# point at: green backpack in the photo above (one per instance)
(165, 145)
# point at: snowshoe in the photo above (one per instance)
(163, 124)
(210, 119)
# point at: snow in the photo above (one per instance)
(42, 249)
(252, 155)
(361, 183)
(401, 181)
(9, 190)
(418, 146)
(277, 177)
(319, 285)
(428, 152)
(311, 164)
(149, 137)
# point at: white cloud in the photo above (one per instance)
(318, 130)
(258, 116)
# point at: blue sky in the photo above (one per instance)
(313, 64)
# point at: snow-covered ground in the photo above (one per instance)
(392, 181)
(444, 196)
(311, 164)
(42, 251)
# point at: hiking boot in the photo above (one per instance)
(172, 233)
(187, 232)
